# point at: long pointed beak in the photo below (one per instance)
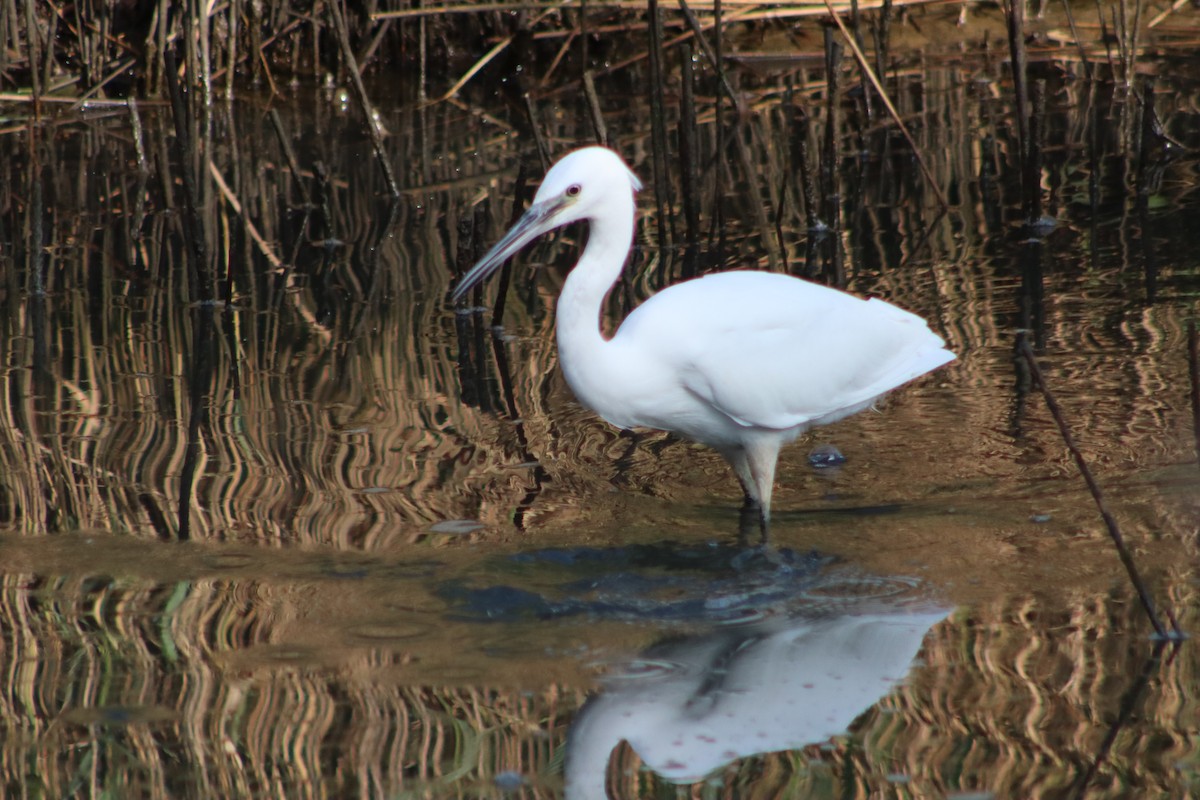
(540, 218)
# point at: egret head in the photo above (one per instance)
(582, 185)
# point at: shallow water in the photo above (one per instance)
(411, 558)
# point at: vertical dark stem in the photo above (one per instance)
(1016, 44)
(856, 28)
(1150, 134)
(712, 55)
(521, 193)
(1131, 49)
(788, 178)
(157, 42)
(1033, 289)
(199, 380)
(1031, 178)
(597, 116)
(1094, 150)
(233, 18)
(543, 148)
(718, 53)
(829, 162)
(800, 157)
(32, 31)
(1121, 23)
(199, 375)
(1026, 144)
(583, 45)
(1194, 374)
(882, 29)
(289, 153)
(36, 272)
(658, 125)
(1107, 39)
(422, 56)
(1147, 180)
(1087, 65)
(472, 373)
(833, 59)
(689, 158)
(199, 279)
(36, 244)
(324, 214)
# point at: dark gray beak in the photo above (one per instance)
(540, 218)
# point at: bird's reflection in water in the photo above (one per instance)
(798, 645)
(688, 707)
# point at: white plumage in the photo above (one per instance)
(741, 361)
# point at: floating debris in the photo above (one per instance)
(825, 456)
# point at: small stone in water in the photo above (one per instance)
(1043, 225)
(509, 781)
(825, 456)
(456, 527)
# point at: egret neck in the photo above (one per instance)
(585, 354)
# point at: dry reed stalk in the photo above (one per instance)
(139, 142)
(571, 35)
(1158, 18)
(263, 246)
(760, 9)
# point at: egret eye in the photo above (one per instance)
(573, 190)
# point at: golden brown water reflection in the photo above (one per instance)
(367, 494)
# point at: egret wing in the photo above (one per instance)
(776, 352)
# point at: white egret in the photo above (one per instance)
(741, 361)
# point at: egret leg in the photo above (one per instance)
(736, 457)
(761, 455)
(754, 464)
(750, 522)
(750, 517)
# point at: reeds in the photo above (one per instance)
(94, 52)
